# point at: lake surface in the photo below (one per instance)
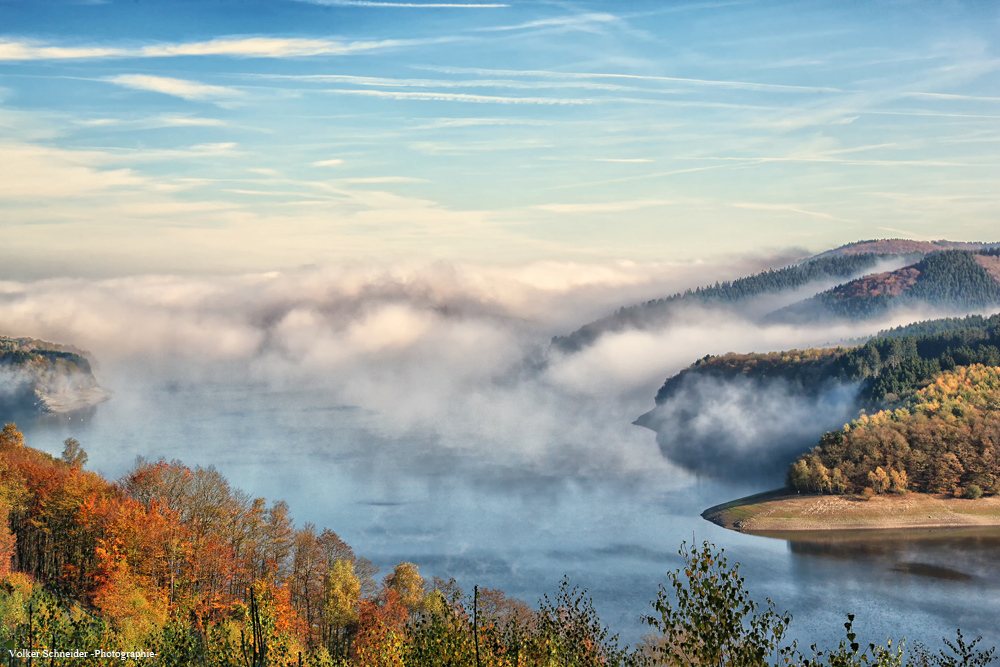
(489, 518)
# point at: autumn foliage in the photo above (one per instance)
(945, 438)
(172, 558)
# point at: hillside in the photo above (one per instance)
(657, 312)
(956, 280)
(892, 363)
(926, 463)
(41, 377)
(797, 395)
(942, 439)
(839, 267)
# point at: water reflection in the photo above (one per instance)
(955, 554)
(920, 584)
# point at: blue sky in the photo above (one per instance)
(223, 135)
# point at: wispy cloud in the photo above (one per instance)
(188, 90)
(268, 47)
(791, 208)
(385, 82)
(31, 50)
(469, 147)
(328, 163)
(32, 172)
(603, 207)
(461, 97)
(952, 96)
(386, 179)
(721, 83)
(743, 161)
(581, 21)
(189, 121)
(413, 5)
(440, 123)
(152, 122)
(237, 47)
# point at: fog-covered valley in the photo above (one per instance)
(423, 415)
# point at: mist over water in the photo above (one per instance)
(738, 427)
(420, 413)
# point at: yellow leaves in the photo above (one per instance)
(975, 386)
(406, 580)
(342, 591)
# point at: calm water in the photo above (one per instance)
(484, 519)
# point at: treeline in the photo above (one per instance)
(949, 279)
(771, 281)
(889, 367)
(945, 439)
(942, 325)
(42, 360)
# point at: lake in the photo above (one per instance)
(502, 520)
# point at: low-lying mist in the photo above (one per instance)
(449, 364)
(739, 428)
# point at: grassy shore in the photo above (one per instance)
(781, 510)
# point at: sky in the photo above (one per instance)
(225, 136)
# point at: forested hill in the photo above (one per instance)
(891, 365)
(947, 280)
(37, 376)
(830, 267)
(739, 415)
(941, 440)
(658, 311)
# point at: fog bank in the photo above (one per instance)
(449, 364)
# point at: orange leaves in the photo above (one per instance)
(381, 636)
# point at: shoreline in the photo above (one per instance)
(784, 511)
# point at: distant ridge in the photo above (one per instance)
(905, 246)
(838, 265)
(947, 280)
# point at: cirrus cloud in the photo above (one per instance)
(188, 90)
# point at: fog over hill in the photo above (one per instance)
(735, 414)
(41, 377)
(784, 289)
(950, 281)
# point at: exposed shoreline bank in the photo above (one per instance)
(782, 510)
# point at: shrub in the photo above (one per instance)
(973, 492)
(714, 621)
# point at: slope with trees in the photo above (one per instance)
(956, 280)
(840, 264)
(945, 438)
(773, 281)
(37, 376)
(891, 365)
